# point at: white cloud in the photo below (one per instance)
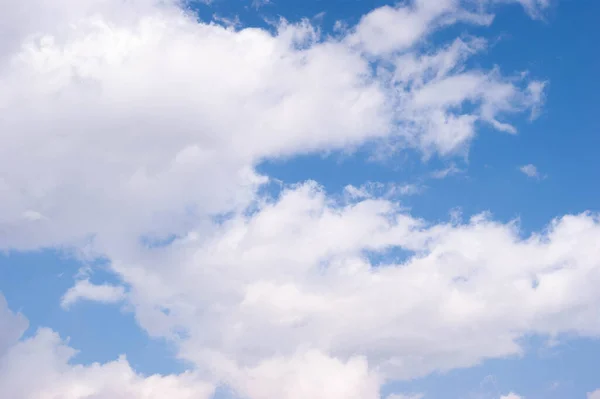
(537, 93)
(139, 121)
(382, 190)
(12, 326)
(530, 170)
(405, 189)
(47, 358)
(161, 98)
(260, 3)
(294, 274)
(438, 84)
(594, 395)
(443, 173)
(535, 8)
(308, 374)
(391, 29)
(511, 396)
(84, 290)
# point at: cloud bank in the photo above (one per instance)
(129, 127)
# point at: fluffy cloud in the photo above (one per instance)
(128, 126)
(297, 274)
(308, 374)
(47, 358)
(135, 103)
(393, 29)
(84, 290)
(594, 395)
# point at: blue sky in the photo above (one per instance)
(348, 219)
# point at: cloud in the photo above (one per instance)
(161, 98)
(438, 85)
(383, 190)
(511, 396)
(530, 170)
(537, 93)
(84, 290)
(405, 189)
(12, 326)
(138, 121)
(391, 29)
(49, 359)
(295, 274)
(535, 8)
(308, 374)
(261, 3)
(443, 173)
(594, 395)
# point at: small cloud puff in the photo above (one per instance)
(531, 171)
(84, 290)
(511, 396)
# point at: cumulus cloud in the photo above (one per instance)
(136, 102)
(308, 374)
(84, 290)
(391, 29)
(129, 122)
(297, 274)
(47, 357)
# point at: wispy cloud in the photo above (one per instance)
(532, 171)
(260, 3)
(383, 190)
(443, 173)
(84, 290)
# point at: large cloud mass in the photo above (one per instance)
(129, 118)
(128, 123)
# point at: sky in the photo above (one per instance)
(326, 199)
